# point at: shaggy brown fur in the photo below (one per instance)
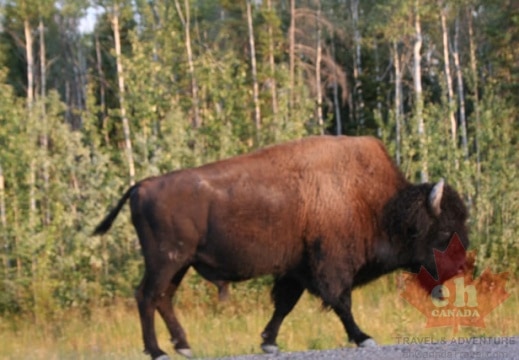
(324, 214)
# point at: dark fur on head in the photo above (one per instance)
(412, 222)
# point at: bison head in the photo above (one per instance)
(424, 218)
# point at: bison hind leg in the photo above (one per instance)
(270, 349)
(155, 293)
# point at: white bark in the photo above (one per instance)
(336, 104)
(43, 117)
(379, 81)
(357, 65)
(3, 221)
(272, 64)
(102, 88)
(417, 81)
(30, 103)
(30, 62)
(398, 102)
(475, 84)
(291, 55)
(461, 94)
(318, 59)
(186, 22)
(122, 103)
(255, 87)
(448, 76)
(3, 217)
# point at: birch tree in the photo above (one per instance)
(27, 16)
(254, 71)
(398, 102)
(292, 55)
(29, 56)
(447, 67)
(475, 87)
(336, 100)
(357, 65)
(418, 93)
(185, 18)
(318, 59)
(3, 222)
(114, 18)
(102, 83)
(44, 136)
(460, 87)
(271, 62)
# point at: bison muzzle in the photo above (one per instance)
(323, 214)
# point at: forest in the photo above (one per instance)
(152, 86)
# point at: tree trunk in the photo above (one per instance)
(43, 64)
(417, 81)
(475, 84)
(80, 81)
(102, 89)
(43, 116)
(255, 87)
(32, 193)
(3, 217)
(30, 63)
(272, 64)
(318, 59)
(30, 104)
(186, 22)
(122, 104)
(156, 26)
(461, 95)
(357, 66)
(398, 103)
(291, 56)
(3, 220)
(379, 81)
(448, 77)
(336, 104)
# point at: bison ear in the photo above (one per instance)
(435, 197)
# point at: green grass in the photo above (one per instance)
(218, 329)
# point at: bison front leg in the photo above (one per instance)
(343, 309)
(285, 294)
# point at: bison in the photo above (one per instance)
(324, 214)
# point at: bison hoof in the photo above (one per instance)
(186, 352)
(162, 357)
(270, 348)
(368, 343)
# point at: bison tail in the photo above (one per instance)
(106, 224)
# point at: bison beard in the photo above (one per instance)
(323, 214)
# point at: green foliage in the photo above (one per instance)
(61, 176)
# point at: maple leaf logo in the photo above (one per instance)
(455, 299)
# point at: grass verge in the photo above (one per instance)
(219, 329)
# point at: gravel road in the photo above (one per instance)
(464, 348)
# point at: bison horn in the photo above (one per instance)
(435, 197)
